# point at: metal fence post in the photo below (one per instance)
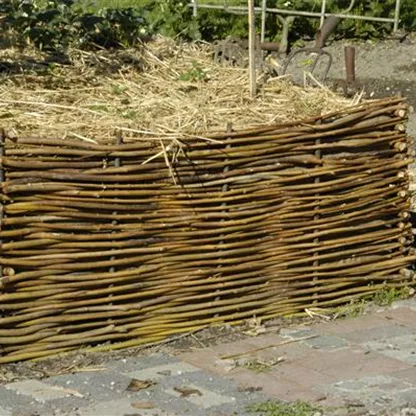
(396, 16)
(263, 20)
(323, 10)
(194, 8)
(252, 48)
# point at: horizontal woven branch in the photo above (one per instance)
(113, 246)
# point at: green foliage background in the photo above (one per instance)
(57, 24)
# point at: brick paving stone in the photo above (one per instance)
(205, 399)
(386, 331)
(120, 407)
(401, 348)
(210, 359)
(405, 316)
(406, 303)
(4, 412)
(350, 325)
(274, 387)
(408, 375)
(233, 348)
(304, 377)
(298, 332)
(287, 351)
(317, 340)
(407, 398)
(13, 401)
(353, 363)
(37, 390)
(159, 372)
(327, 342)
(376, 392)
(133, 364)
(205, 359)
(290, 351)
(103, 386)
(359, 384)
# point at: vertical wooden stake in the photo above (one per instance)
(318, 154)
(252, 47)
(225, 188)
(117, 164)
(2, 179)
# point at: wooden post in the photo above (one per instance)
(252, 47)
(2, 179)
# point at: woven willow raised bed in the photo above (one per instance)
(113, 246)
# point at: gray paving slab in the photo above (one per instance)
(4, 412)
(377, 393)
(104, 385)
(120, 407)
(402, 348)
(13, 401)
(133, 364)
(384, 332)
(162, 371)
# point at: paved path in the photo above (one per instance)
(357, 366)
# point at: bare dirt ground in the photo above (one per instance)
(383, 68)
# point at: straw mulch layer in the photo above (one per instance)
(125, 244)
(162, 87)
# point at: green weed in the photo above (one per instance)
(119, 89)
(387, 296)
(196, 73)
(259, 366)
(280, 408)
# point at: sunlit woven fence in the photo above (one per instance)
(125, 244)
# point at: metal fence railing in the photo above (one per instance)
(263, 10)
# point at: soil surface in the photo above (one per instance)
(382, 68)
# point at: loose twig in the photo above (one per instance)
(251, 352)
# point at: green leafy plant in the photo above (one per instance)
(280, 408)
(196, 73)
(258, 366)
(387, 296)
(54, 25)
(171, 18)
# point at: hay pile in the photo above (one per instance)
(164, 87)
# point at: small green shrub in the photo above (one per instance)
(56, 24)
(53, 25)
